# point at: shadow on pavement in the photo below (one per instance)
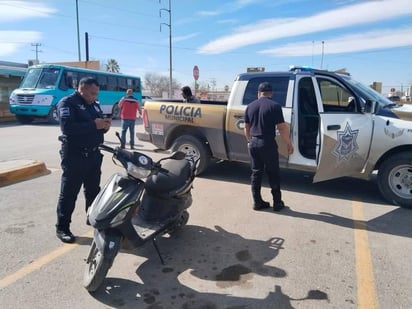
(298, 181)
(204, 269)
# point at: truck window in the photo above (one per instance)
(279, 86)
(335, 97)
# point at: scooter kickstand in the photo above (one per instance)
(157, 250)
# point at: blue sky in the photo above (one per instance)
(371, 39)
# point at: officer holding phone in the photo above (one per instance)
(83, 127)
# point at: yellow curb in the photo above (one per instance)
(16, 171)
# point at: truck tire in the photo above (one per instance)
(24, 119)
(193, 148)
(395, 179)
(53, 116)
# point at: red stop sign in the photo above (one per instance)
(195, 72)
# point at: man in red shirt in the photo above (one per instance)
(129, 106)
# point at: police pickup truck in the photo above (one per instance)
(338, 127)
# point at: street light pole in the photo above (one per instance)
(78, 30)
(170, 43)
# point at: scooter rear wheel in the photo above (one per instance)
(96, 269)
(182, 221)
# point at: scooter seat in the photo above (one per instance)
(174, 182)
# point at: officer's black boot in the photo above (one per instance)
(258, 202)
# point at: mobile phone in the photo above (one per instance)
(107, 116)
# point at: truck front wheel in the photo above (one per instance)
(194, 148)
(395, 179)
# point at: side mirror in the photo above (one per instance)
(370, 106)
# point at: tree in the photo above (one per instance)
(157, 84)
(112, 66)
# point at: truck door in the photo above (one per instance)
(346, 132)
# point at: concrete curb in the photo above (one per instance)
(19, 170)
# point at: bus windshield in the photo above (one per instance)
(42, 78)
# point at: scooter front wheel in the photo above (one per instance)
(96, 268)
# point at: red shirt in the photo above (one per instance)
(129, 107)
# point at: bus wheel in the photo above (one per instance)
(24, 119)
(53, 116)
(116, 111)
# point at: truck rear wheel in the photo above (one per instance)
(395, 179)
(193, 148)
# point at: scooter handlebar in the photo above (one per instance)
(106, 148)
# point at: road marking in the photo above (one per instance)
(36, 264)
(367, 298)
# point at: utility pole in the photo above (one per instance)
(170, 42)
(37, 45)
(78, 30)
(321, 63)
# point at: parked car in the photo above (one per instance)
(394, 98)
(144, 98)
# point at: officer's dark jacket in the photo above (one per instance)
(77, 122)
(263, 115)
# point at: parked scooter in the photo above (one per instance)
(128, 211)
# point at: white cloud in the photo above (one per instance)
(11, 41)
(345, 44)
(184, 37)
(17, 10)
(268, 30)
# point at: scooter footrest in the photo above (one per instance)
(146, 229)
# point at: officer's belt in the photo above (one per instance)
(86, 149)
(83, 150)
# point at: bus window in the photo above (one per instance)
(31, 78)
(48, 78)
(102, 80)
(133, 84)
(112, 83)
(122, 85)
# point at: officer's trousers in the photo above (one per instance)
(79, 168)
(264, 157)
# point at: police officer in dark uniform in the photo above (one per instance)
(83, 127)
(262, 117)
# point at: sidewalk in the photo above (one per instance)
(18, 170)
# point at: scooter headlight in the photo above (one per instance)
(136, 171)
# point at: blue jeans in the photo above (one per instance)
(127, 124)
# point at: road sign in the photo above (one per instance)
(195, 72)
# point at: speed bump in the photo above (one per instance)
(20, 170)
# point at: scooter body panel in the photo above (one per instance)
(108, 242)
(117, 200)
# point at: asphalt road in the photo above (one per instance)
(338, 244)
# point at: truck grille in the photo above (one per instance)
(25, 98)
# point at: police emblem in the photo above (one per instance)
(346, 144)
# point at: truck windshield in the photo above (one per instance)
(41, 78)
(368, 93)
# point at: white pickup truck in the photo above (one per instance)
(338, 126)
